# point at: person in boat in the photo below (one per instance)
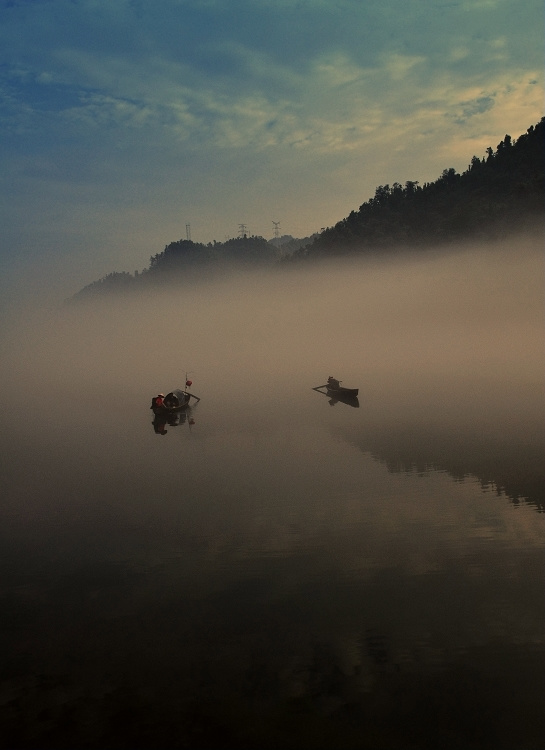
(333, 383)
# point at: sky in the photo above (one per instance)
(124, 121)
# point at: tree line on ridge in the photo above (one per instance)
(495, 195)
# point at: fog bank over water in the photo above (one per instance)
(400, 320)
(431, 339)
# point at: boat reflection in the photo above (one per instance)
(172, 419)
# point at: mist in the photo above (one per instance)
(407, 325)
(446, 348)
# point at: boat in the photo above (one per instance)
(173, 402)
(335, 388)
(336, 392)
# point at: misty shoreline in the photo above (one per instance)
(499, 194)
(120, 285)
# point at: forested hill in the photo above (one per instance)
(184, 260)
(495, 195)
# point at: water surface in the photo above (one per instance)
(276, 570)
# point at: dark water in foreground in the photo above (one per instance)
(283, 573)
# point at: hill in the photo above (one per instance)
(497, 194)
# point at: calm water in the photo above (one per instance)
(282, 572)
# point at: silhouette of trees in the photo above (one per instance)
(184, 259)
(112, 282)
(184, 254)
(493, 195)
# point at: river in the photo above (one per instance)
(278, 570)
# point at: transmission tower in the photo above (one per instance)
(276, 230)
(242, 230)
(188, 232)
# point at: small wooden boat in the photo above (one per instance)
(174, 401)
(336, 392)
(335, 388)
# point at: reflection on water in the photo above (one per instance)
(501, 445)
(160, 422)
(264, 570)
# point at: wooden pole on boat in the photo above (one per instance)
(185, 387)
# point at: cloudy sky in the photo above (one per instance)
(125, 120)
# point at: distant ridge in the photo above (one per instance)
(496, 195)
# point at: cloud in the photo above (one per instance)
(132, 114)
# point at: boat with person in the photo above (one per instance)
(336, 392)
(175, 401)
(334, 387)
